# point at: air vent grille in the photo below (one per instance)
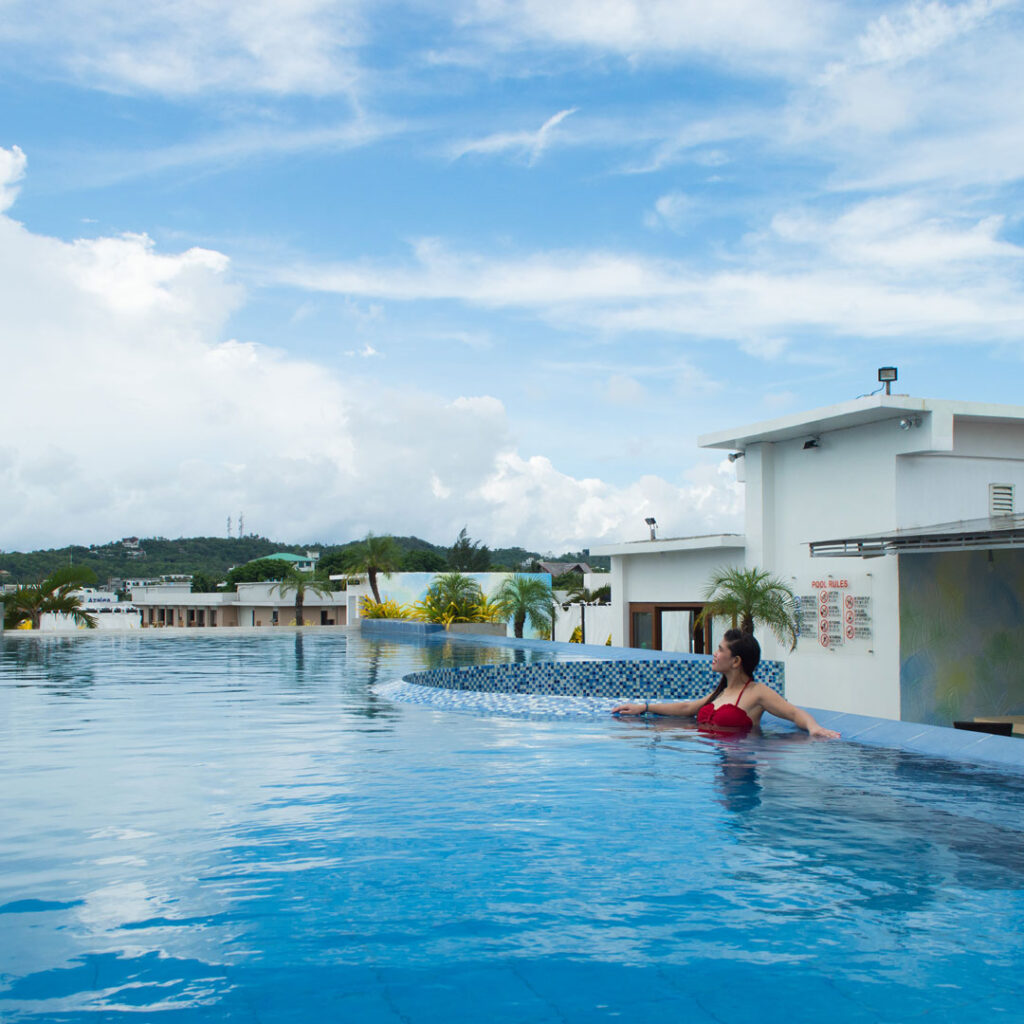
(1000, 499)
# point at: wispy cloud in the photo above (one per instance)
(190, 46)
(529, 144)
(878, 268)
(920, 28)
(225, 150)
(733, 30)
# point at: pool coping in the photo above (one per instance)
(915, 737)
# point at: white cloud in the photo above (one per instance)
(12, 170)
(927, 93)
(671, 210)
(187, 46)
(901, 233)
(957, 281)
(735, 30)
(126, 412)
(920, 28)
(623, 389)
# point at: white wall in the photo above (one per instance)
(668, 576)
(933, 489)
(844, 487)
(118, 621)
(600, 619)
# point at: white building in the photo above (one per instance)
(893, 520)
(253, 604)
(107, 610)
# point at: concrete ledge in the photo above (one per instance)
(413, 628)
(930, 740)
(406, 629)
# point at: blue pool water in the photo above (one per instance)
(242, 828)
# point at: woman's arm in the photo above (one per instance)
(781, 708)
(680, 708)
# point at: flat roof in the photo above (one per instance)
(656, 547)
(964, 535)
(855, 413)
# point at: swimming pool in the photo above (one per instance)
(242, 828)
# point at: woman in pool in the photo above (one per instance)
(737, 704)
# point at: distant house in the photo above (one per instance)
(303, 563)
(561, 568)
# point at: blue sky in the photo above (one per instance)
(410, 266)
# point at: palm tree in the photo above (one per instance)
(54, 594)
(749, 596)
(374, 555)
(302, 584)
(525, 597)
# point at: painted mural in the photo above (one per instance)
(961, 635)
(409, 587)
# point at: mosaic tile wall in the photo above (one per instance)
(644, 680)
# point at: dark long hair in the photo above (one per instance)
(747, 649)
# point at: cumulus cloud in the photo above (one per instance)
(128, 412)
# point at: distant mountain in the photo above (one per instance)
(210, 557)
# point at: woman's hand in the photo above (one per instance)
(821, 733)
(630, 709)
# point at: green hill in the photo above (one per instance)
(211, 557)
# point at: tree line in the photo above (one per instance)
(210, 560)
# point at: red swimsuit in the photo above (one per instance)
(726, 716)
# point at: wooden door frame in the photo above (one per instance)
(656, 608)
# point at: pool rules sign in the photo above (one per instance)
(834, 613)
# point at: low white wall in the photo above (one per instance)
(599, 621)
(110, 621)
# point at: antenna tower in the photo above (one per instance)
(241, 524)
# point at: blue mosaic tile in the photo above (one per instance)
(640, 680)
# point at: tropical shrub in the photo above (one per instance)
(389, 608)
(54, 594)
(576, 636)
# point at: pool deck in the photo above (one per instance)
(927, 740)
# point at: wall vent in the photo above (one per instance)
(1000, 499)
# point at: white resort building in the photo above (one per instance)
(253, 604)
(894, 520)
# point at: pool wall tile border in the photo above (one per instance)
(929, 740)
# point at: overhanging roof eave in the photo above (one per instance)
(979, 534)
